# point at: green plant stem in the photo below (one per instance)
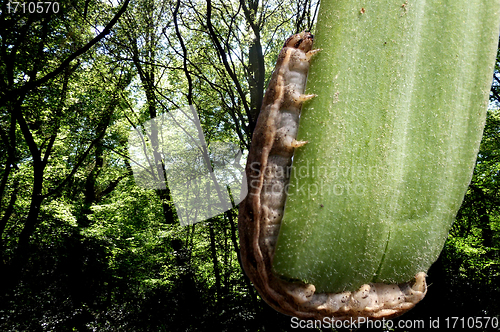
(393, 136)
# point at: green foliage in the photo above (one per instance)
(100, 254)
(472, 250)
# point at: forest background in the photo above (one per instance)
(84, 248)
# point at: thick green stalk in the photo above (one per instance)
(393, 136)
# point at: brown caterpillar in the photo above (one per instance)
(261, 212)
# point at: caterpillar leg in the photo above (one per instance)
(311, 53)
(298, 144)
(302, 98)
(290, 143)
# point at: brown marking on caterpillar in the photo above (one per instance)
(261, 212)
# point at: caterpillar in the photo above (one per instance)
(261, 212)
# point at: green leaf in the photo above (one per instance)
(393, 136)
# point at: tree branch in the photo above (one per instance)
(30, 85)
(223, 56)
(184, 51)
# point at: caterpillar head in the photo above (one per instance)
(303, 41)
